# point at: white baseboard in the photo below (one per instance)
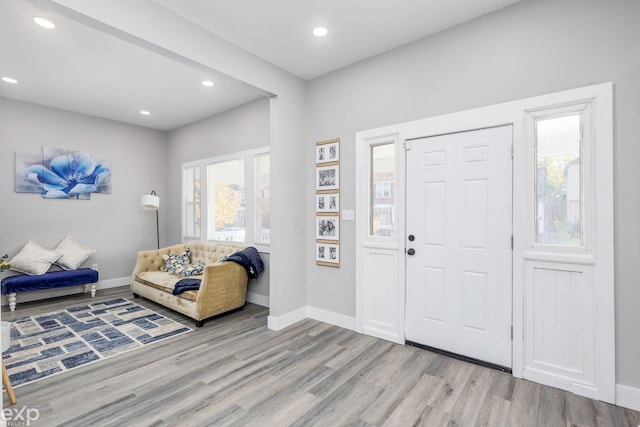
(340, 320)
(259, 299)
(69, 290)
(629, 397)
(277, 323)
(336, 319)
(114, 283)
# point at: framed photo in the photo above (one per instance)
(328, 254)
(328, 178)
(328, 151)
(327, 227)
(328, 202)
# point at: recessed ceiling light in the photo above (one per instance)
(144, 112)
(44, 23)
(207, 83)
(320, 31)
(9, 80)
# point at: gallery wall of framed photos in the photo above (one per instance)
(327, 222)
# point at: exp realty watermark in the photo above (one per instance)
(19, 417)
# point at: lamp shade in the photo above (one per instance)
(150, 202)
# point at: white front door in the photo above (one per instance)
(459, 212)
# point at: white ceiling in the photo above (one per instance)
(81, 69)
(78, 68)
(280, 31)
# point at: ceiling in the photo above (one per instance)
(280, 31)
(79, 68)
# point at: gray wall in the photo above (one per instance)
(113, 224)
(240, 129)
(159, 29)
(531, 48)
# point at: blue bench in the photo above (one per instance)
(50, 280)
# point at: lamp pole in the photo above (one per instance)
(157, 229)
(151, 202)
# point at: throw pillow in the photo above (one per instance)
(33, 259)
(74, 253)
(176, 261)
(190, 270)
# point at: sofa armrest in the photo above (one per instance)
(223, 288)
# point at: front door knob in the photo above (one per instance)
(411, 251)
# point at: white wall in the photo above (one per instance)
(531, 48)
(113, 224)
(240, 129)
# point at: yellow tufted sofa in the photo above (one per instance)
(223, 287)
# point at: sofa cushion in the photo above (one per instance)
(189, 270)
(165, 282)
(50, 280)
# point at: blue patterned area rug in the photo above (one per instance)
(53, 343)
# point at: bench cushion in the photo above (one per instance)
(52, 279)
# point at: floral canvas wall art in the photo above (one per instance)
(62, 174)
(27, 161)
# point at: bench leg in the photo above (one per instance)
(90, 287)
(12, 301)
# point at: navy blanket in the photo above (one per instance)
(250, 259)
(184, 285)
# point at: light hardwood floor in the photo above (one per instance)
(236, 372)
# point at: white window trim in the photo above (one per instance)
(250, 194)
(385, 140)
(584, 254)
(183, 205)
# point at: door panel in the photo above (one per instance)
(459, 208)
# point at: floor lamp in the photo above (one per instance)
(151, 202)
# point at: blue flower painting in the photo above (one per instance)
(62, 174)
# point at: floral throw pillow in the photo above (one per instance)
(190, 270)
(176, 261)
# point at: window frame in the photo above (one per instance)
(252, 238)
(578, 253)
(258, 199)
(195, 203)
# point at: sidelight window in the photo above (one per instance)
(382, 200)
(559, 189)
